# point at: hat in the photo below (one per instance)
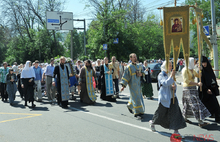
(36, 61)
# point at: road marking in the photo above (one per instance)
(114, 120)
(28, 116)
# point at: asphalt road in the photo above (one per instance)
(102, 122)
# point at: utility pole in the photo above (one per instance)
(214, 39)
(71, 50)
(85, 35)
(84, 20)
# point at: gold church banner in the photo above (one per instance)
(176, 32)
(200, 33)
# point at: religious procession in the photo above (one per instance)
(65, 82)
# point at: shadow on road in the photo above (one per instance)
(37, 108)
(121, 102)
(17, 105)
(147, 117)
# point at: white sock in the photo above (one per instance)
(200, 122)
(176, 131)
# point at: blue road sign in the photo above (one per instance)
(116, 41)
(53, 20)
(206, 30)
(105, 47)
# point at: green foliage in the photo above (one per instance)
(143, 37)
(206, 7)
(78, 44)
(21, 49)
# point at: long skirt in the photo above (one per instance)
(147, 89)
(28, 90)
(192, 105)
(11, 90)
(169, 118)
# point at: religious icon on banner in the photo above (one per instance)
(176, 32)
(176, 23)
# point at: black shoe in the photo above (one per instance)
(25, 104)
(212, 116)
(138, 116)
(217, 120)
(11, 104)
(65, 106)
(118, 97)
(73, 98)
(33, 106)
(130, 110)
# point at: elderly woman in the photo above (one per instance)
(11, 86)
(168, 114)
(27, 82)
(192, 105)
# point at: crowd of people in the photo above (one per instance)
(61, 82)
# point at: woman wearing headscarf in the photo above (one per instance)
(20, 89)
(27, 82)
(147, 89)
(168, 115)
(192, 105)
(209, 89)
(11, 87)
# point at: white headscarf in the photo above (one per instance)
(163, 66)
(191, 63)
(28, 72)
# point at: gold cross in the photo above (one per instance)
(167, 55)
(186, 54)
(176, 48)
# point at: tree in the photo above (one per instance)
(206, 7)
(78, 44)
(29, 38)
(136, 34)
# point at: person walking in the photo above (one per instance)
(192, 105)
(61, 74)
(27, 82)
(38, 73)
(87, 94)
(209, 89)
(3, 72)
(167, 115)
(115, 75)
(147, 88)
(131, 77)
(11, 86)
(107, 91)
(49, 75)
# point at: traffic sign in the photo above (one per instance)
(116, 41)
(59, 20)
(105, 47)
(206, 30)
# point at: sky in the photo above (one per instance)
(80, 12)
